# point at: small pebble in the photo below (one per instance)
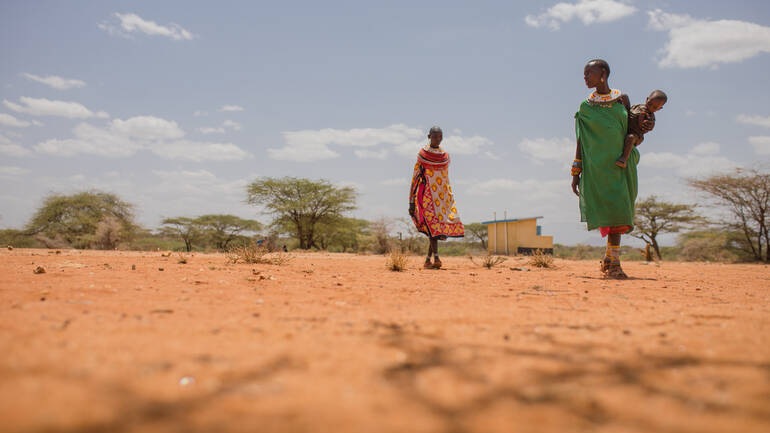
(186, 381)
(160, 269)
(133, 267)
(39, 270)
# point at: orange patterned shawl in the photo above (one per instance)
(435, 209)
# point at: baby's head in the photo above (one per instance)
(656, 100)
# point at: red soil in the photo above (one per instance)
(337, 343)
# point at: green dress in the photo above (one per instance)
(607, 192)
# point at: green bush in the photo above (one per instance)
(18, 239)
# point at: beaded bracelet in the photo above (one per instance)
(577, 167)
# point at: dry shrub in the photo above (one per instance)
(396, 260)
(182, 260)
(51, 243)
(489, 261)
(108, 234)
(541, 260)
(256, 254)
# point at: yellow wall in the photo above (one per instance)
(520, 234)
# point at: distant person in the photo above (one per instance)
(431, 201)
(607, 192)
(641, 120)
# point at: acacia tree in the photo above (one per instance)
(653, 217)
(300, 205)
(182, 227)
(341, 233)
(73, 220)
(745, 194)
(478, 231)
(223, 229)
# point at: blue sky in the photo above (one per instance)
(177, 106)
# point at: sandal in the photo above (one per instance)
(612, 270)
(428, 264)
(436, 263)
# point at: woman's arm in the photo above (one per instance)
(413, 188)
(576, 178)
(623, 99)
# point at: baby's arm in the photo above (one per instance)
(647, 122)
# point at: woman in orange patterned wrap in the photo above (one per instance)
(431, 201)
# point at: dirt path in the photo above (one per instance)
(336, 343)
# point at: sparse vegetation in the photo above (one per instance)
(654, 217)
(301, 206)
(256, 254)
(488, 261)
(396, 260)
(540, 259)
(745, 195)
(73, 220)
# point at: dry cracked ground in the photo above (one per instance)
(139, 342)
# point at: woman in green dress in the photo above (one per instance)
(607, 192)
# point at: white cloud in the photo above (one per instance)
(706, 148)
(231, 108)
(11, 172)
(587, 11)
(754, 120)
(549, 149)
(130, 23)
(235, 126)
(199, 151)
(703, 159)
(208, 130)
(199, 113)
(397, 181)
(314, 145)
(761, 145)
(46, 107)
(147, 127)
(697, 43)
(90, 140)
(302, 152)
(56, 82)
(371, 154)
(491, 155)
(9, 148)
(123, 138)
(458, 145)
(530, 189)
(195, 184)
(8, 120)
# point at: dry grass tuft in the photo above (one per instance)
(489, 261)
(541, 260)
(396, 260)
(257, 254)
(182, 260)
